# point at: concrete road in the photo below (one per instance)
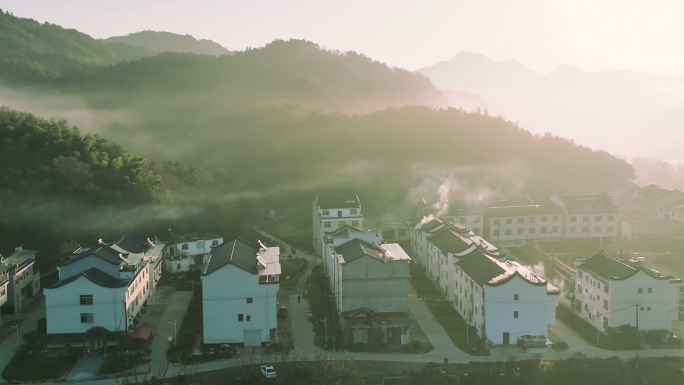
(433, 330)
(9, 345)
(175, 311)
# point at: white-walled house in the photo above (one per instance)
(502, 299)
(239, 286)
(610, 292)
(588, 216)
(519, 220)
(183, 251)
(21, 280)
(99, 293)
(365, 273)
(330, 213)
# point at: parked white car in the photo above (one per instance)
(268, 371)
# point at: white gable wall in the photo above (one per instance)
(224, 297)
(379, 286)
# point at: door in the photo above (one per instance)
(339, 214)
(506, 338)
(253, 337)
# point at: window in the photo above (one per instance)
(402, 233)
(573, 219)
(248, 318)
(641, 290)
(352, 211)
(585, 229)
(650, 290)
(605, 304)
(509, 221)
(605, 288)
(543, 219)
(250, 300)
(496, 233)
(533, 230)
(597, 229)
(508, 231)
(515, 314)
(610, 228)
(214, 243)
(185, 246)
(585, 219)
(496, 222)
(326, 212)
(86, 299)
(648, 308)
(240, 317)
(515, 297)
(543, 230)
(554, 229)
(327, 225)
(598, 218)
(87, 318)
(533, 220)
(462, 220)
(579, 288)
(521, 220)
(580, 274)
(586, 307)
(476, 220)
(573, 229)
(200, 245)
(521, 231)
(611, 217)
(555, 218)
(642, 308)
(340, 224)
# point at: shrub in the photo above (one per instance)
(560, 346)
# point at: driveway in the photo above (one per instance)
(175, 311)
(86, 368)
(433, 330)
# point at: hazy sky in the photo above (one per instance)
(542, 34)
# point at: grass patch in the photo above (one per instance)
(323, 306)
(29, 364)
(443, 311)
(588, 332)
(294, 268)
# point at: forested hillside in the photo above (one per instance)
(171, 42)
(30, 51)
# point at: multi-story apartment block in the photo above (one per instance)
(240, 283)
(23, 282)
(470, 214)
(588, 216)
(611, 292)
(519, 220)
(180, 252)
(334, 212)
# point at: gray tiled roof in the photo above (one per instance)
(351, 202)
(448, 241)
(129, 243)
(238, 252)
(95, 276)
(356, 248)
(102, 251)
(341, 231)
(480, 267)
(607, 267)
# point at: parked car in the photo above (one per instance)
(282, 312)
(268, 371)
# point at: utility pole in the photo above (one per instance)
(175, 334)
(325, 320)
(637, 321)
(17, 329)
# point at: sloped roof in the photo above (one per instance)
(595, 199)
(238, 252)
(480, 267)
(95, 276)
(356, 248)
(449, 241)
(342, 231)
(608, 267)
(431, 224)
(101, 251)
(528, 254)
(338, 202)
(653, 191)
(130, 243)
(509, 202)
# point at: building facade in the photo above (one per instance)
(330, 213)
(240, 283)
(588, 216)
(23, 281)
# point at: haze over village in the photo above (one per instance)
(341, 193)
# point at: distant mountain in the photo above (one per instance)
(31, 51)
(170, 42)
(292, 72)
(600, 109)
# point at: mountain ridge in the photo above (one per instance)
(163, 41)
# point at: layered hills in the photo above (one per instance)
(170, 42)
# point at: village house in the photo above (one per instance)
(502, 299)
(611, 292)
(369, 281)
(588, 216)
(180, 252)
(519, 220)
(240, 283)
(330, 213)
(469, 214)
(100, 292)
(20, 281)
